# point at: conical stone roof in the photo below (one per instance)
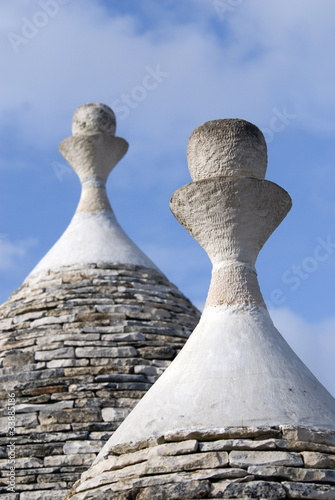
(237, 414)
(86, 335)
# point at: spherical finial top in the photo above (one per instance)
(93, 118)
(232, 147)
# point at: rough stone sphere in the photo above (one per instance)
(231, 147)
(93, 118)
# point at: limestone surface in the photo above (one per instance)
(86, 335)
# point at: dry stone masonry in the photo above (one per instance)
(243, 463)
(86, 335)
(236, 414)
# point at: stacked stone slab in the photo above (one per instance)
(236, 414)
(244, 463)
(86, 335)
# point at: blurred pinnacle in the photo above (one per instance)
(94, 236)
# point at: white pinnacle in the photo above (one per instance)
(94, 236)
(236, 370)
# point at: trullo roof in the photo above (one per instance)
(89, 331)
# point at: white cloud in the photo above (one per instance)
(11, 253)
(314, 343)
(263, 55)
(85, 53)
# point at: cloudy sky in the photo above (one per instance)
(271, 63)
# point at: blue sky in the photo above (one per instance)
(268, 62)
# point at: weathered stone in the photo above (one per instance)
(303, 446)
(294, 473)
(255, 489)
(76, 459)
(9, 344)
(178, 491)
(147, 370)
(44, 428)
(318, 460)
(112, 414)
(27, 408)
(157, 352)
(69, 416)
(88, 403)
(237, 444)
(115, 463)
(26, 368)
(28, 463)
(305, 434)
(28, 316)
(224, 433)
(77, 447)
(60, 363)
(58, 436)
(49, 320)
(124, 377)
(37, 450)
(18, 358)
(57, 485)
(309, 491)
(104, 352)
(28, 421)
(49, 344)
(45, 494)
(6, 324)
(164, 464)
(66, 352)
(245, 459)
(171, 449)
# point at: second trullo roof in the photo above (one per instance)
(89, 331)
(236, 415)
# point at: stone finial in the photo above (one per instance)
(229, 209)
(94, 235)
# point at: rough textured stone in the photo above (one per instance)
(45, 494)
(194, 461)
(73, 460)
(237, 444)
(62, 399)
(179, 491)
(309, 491)
(295, 473)
(306, 434)
(318, 460)
(258, 489)
(247, 458)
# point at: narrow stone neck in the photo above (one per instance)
(234, 283)
(93, 196)
(93, 157)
